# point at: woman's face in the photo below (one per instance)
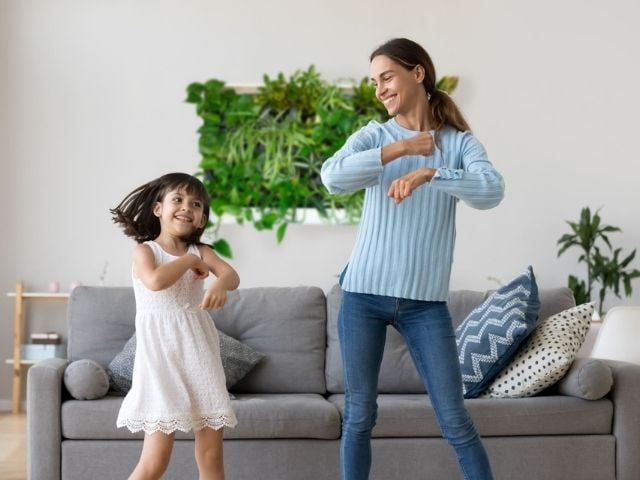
(396, 87)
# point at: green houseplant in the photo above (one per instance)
(262, 153)
(609, 272)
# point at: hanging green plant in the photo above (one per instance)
(262, 152)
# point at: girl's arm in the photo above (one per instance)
(156, 277)
(226, 279)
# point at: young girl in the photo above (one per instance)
(178, 382)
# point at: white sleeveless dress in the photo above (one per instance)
(178, 381)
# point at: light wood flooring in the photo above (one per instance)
(13, 446)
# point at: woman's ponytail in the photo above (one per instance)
(444, 111)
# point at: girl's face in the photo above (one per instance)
(397, 88)
(180, 213)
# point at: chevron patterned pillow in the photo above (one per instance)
(546, 355)
(491, 334)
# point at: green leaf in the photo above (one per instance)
(281, 231)
(195, 90)
(222, 247)
(268, 220)
(447, 83)
(628, 260)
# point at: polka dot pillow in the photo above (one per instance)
(545, 356)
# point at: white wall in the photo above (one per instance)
(92, 105)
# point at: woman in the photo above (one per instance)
(414, 167)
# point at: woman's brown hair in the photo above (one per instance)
(409, 54)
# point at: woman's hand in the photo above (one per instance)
(420, 144)
(404, 186)
(214, 297)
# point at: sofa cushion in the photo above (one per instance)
(545, 356)
(259, 416)
(286, 324)
(588, 378)
(397, 372)
(413, 416)
(493, 332)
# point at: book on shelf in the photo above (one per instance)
(46, 338)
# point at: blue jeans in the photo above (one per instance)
(428, 332)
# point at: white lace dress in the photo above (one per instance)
(178, 381)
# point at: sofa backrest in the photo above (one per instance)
(100, 321)
(288, 325)
(398, 373)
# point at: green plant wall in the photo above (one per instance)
(262, 153)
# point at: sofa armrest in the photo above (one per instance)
(44, 435)
(625, 394)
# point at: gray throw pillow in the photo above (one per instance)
(86, 380)
(588, 378)
(237, 360)
(120, 369)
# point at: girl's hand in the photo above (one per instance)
(404, 186)
(420, 144)
(214, 297)
(199, 268)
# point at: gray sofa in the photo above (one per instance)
(289, 406)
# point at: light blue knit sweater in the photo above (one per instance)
(406, 250)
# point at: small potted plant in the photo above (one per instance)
(611, 273)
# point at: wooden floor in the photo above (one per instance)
(13, 442)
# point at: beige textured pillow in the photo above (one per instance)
(545, 356)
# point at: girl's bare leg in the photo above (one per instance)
(209, 454)
(155, 456)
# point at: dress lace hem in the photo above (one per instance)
(170, 425)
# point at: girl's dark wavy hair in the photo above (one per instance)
(409, 54)
(135, 212)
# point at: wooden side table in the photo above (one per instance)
(18, 326)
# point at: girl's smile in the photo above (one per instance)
(181, 211)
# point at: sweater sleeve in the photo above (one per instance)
(477, 183)
(357, 164)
